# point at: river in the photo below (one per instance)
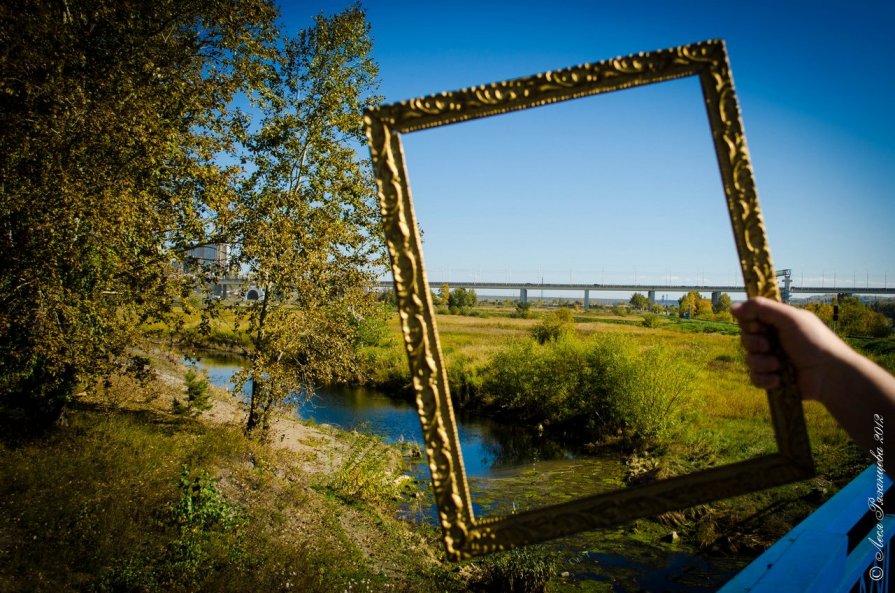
(508, 468)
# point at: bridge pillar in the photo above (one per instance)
(523, 295)
(716, 296)
(586, 299)
(652, 297)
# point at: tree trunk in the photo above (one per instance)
(254, 420)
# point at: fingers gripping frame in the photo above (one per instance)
(464, 534)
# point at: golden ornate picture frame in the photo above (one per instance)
(465, 535)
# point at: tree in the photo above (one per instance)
(703, 308)
(457, 299)
(722, 304)
(687, 304)
(198, 398)
(461, 299)
(111, 115)
(857, 319)
(444, 295)
(692, 305)
(639, 302)
(305, 219)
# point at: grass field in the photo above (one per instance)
(127, 496)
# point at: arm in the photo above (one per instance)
(857, 392)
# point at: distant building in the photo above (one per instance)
(215, 259)
(213, 255)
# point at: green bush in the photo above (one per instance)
(201, 506)
(523, 311)
(460, 298)
(201, 515)
(855, 318)
(463, 379)
(657, 396)
(385, 368)
(595, 387)
(535, 383)
(372, 329)
(553, 326)
(651, 320)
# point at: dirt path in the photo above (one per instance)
(320, 451)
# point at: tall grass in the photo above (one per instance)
(369, 472)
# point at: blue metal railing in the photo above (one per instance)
(843, 547)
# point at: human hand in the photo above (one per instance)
(810, 346)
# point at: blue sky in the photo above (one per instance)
(624, 187)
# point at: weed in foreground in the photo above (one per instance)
(370, 472)
(521, 570)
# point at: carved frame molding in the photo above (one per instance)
(465, 535)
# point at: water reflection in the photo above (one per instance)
(220, 368)
(487, 445)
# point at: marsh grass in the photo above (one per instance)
(522, 570)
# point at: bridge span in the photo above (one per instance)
(787, 288)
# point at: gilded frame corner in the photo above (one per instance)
(465, 535)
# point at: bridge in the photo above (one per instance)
(226, 284)
(787, 288)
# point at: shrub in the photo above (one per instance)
(372, 329)
(657, 395)
(594, 387)
(463, 379)
(523, 310)
(461, 298)
(207, 542)
(855, 318)
(201, 506)
(512, 378)
(553, 326)
(651, 320)
(198, 398)
(385, 368)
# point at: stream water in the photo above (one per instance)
(512, 468)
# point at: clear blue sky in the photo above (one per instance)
(624, 187)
